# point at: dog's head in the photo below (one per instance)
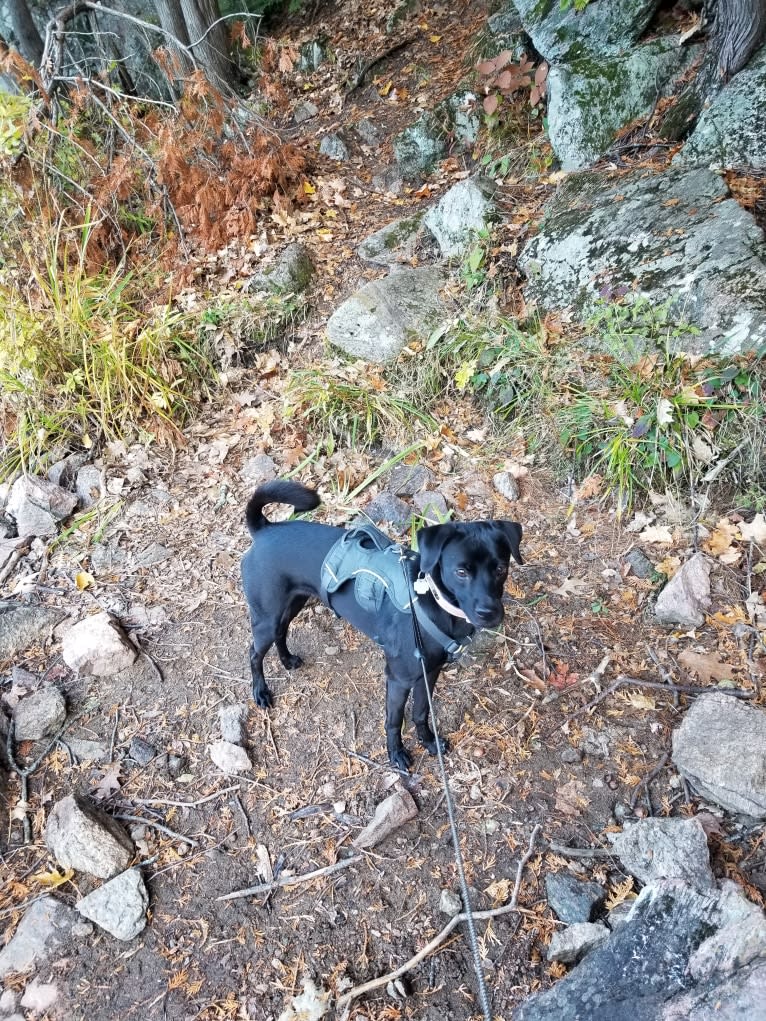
(469, 563)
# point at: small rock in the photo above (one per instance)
(258, 469)
(571, 899)
(81, 930)
(291, 272)
(304, 110)
(98, 646)
(571, 755)
(432, 506)
(392, 245)
(390, 814)
(506, 485)
(230, 757)
(595, 743)
(386, 508)
(106, 556)
(89, 486)
(88, 751)
(64, 472)
(141, 751)
(388, 181)
(22, 626)
(42, 930)
(118, 906)
(175, 765)
(39, 996)
(576, 941)
(153, 554)
(450, 904)
(686, 597)
(656, 849)
(640, 564)
(312, 54)
(619, 915)
(462, 211)
(408, 479)
(232, 722)
(368, 131)
(8, 1001)
(37, 505)
(39, 715)
(332, 145)
(82, 837)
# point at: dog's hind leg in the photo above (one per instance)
(289, 660)
(421, 715)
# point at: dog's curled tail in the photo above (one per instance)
(299, 496)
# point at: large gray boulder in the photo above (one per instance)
(731, 131)
(676, 235)
(720, 748)
(291, 272)
(656, 849)
(600, 27)
(378, 320)
(82, 837)
(462, 211)
(590, 98)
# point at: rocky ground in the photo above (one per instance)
(616, 717)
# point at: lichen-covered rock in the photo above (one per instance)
(655, 849)
(454, 123)
(570, 944)
(558, 32)
(312, 54)
(39, 715)
(590, 98)
(393, 244)
(291, 271)
(686, 597)
(462, 211)
(333, 145)
(377, 321)
(671, 236)
(731, 131)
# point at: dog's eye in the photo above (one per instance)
(461, 572)
(501, 571)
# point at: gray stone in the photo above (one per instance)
(619, 914)
(400, 13)
(105, 557)
(574, 942)
(312, 55)
(80, 836)
(98, 646)
(290, 272)
(387, 508)
(731, 130)
(590, 100)
(739, 940)
(408, 479)
(720, 748)
(8, 1001)
(40, 996)
(141, 751)
(388, 180)
(737, 997)
(450, 904)
(395, 243)
(378, 320)
(37, 505)
(599, 28)
(43, 929)
(655, 849)
(506, 32)
(39, 715)
(10, 544)
(419, 147)
(229, 757)
(304, 110)
(460, 213)
(572, 899)
(332, 145)
(258, 469)
(390, 814)
(89, 486)
(506, 485)
(686, 597)
(22, 626)
(571, 755)
(640, 564)
(432, 506)
(232, 719)
(600, 236)
(64, 472)
(462, 116)
(87, 751)
(151, 555)
(118, 906)
(368, 131)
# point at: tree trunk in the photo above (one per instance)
(29, 40)
(209, 45)
(738, 28)
(172, 20)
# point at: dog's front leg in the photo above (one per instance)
(420, 714)
(397, 693)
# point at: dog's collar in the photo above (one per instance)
(425, 583)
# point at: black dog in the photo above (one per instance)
(458, 575)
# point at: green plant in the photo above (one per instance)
(234, 325)
(579, 5)
(473, 268)
(353, 405)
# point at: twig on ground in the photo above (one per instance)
(644, 785)
(366, 68)
(17, 555)
(306, 877)
(185, 804)
(239, 808)
(580, 852)
(157, 826)
(436, 942)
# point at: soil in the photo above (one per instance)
(527, 747)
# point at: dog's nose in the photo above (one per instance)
(488, 614)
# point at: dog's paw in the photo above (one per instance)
(291, 662)
(428, 740)
(263, 697)
(400, 758)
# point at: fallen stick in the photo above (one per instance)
(184, 804)
(436, 942)
(157, 826)
(306, 877)
(580, 852)
(644, 785)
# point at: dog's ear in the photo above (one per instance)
(512, 531)
(431, 542)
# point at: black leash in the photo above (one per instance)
(483, 994)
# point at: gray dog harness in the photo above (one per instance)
(380, 569)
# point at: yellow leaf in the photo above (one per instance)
(464, 373)
(87, 442)
(84, 580)
(309, 189)
(435, 38)
(50, 880)
(385, 89)
(720, 540)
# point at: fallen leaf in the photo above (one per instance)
(706, 666)
(755, 531)
(570, 798)
(499, 891)
(571, 587)
(660, 534)
(720, 539)
(54, 878)
(84, 580)
(619, 893)
(109, 782)
(589, 488)
(664, 412)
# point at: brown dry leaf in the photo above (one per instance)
(571, 587)
(637, 700)
(669, 566)
(537, 682)
(755, 531)
(719, 541)
(589, 488)
(706, 666)
(570, 799)
(619, 893)
(660, 534)
(562, 677)
(109, 782)
(84, 580)
(499, 891)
